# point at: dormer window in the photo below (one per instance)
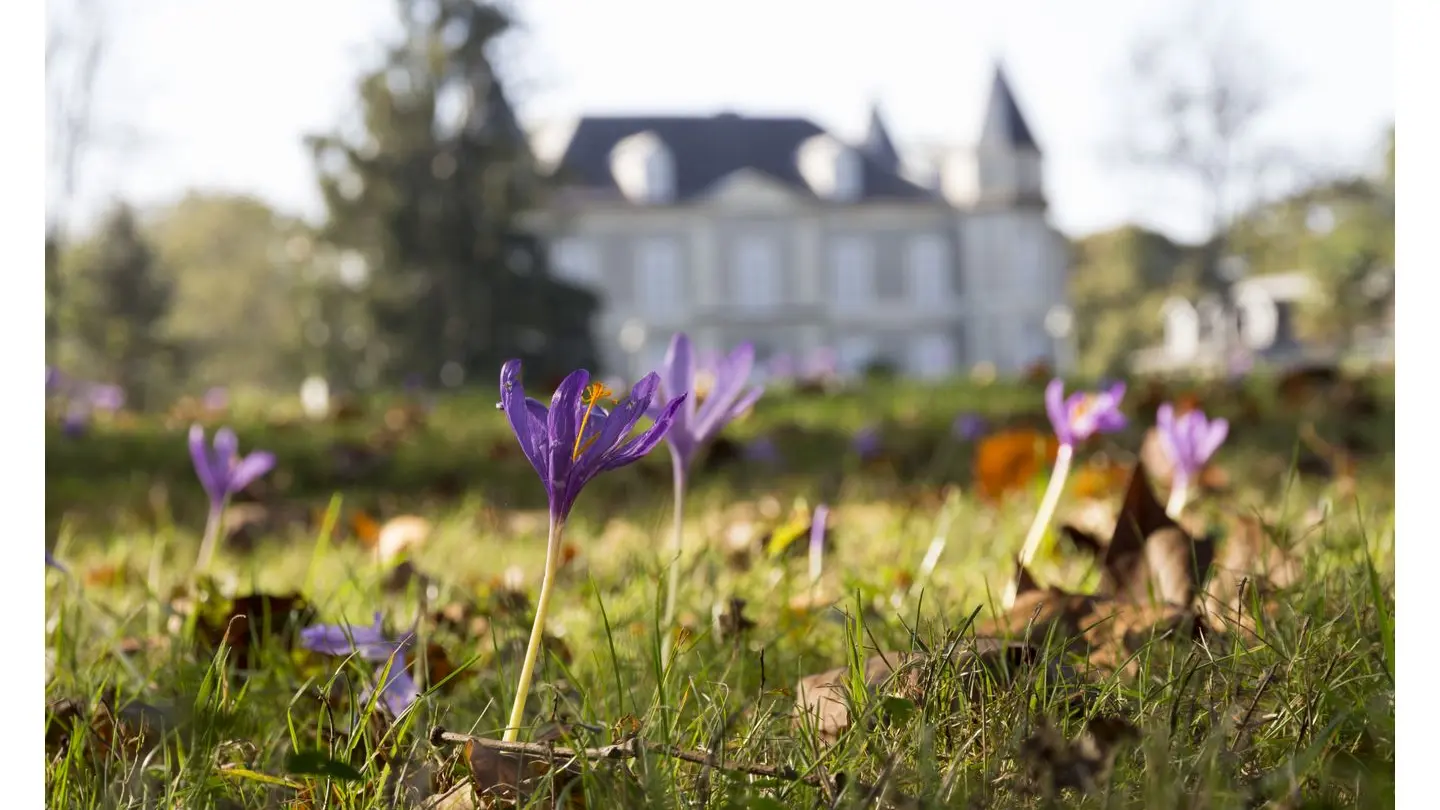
(831, 168)
(644, 169)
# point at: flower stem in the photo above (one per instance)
(677, 535)
(1179, 493)
(537, 632)
(1042, 517)
(212, 536)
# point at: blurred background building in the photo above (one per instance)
(776, 231)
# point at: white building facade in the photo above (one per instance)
(774, 231)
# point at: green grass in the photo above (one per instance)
(1301, 716)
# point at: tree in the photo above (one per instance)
(74, 46)
(123, 299)
(1201, 89)
(242, 278)
(427, 206)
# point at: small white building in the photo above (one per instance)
(1252, 323)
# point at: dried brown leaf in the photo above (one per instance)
(821, 699)
(1150, 556)
(1084, 763)
(504, 779)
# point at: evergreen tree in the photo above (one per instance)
(431, 199)
(126, 299)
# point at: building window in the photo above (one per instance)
(932, 356)
(658, 284)
(853, 270)
(577, 262)
(854, 353)
(928, 268)
(756, 275)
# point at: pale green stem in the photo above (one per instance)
(1048, 503)
(677, 536)
(537, 632)
(212, 536)
(1179, 493)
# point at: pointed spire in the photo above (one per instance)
(877, 143)
(1003, 122)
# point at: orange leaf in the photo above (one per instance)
(1009, 460)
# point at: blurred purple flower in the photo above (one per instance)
(867, 442)
(224, 472)
(215, 398)
(821, 363)
(1189, 440)
(697, 423)
(762, 450)
(76, 420)
(51, 562)
(969, 427)
(575, 439)
(817, 540)
(781, 367)
(1084, 413)
(369, 644)
(106, 398)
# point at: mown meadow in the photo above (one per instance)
(1235, 652)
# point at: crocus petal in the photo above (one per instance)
(400, 690)
(345, 639)
(227, 446)
(618, 425)
(637, 447)
(678, 376)
(730, 379)
(1212, 439)
(1110, 421)
(519, 412)
(250, 468)
(1058, 413)
(1165, 417)
(565, 415)
(1116, 394)
(204, 468)
(743, 404)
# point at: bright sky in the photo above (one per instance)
(214, 93)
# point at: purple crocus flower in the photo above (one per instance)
(1189, 440)
(867, 442)
(222, 473)
(817, 540)
(762, 450)
(968, 427)
(568, 444)
(215, 398)
(1083, 413)
(697, 423)
(76, 420)
(107, 398)
(370, 644)
(575, 439)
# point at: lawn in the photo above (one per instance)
(1273, 685)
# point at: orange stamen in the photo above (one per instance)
(595, 392)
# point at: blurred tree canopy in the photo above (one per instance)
(120, 298)
(1341, 233)
(424, 206)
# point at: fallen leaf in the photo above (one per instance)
(1010, 460)
(130, 729)
(255, 617)
(515, 778)
(822, 701)
(1084, 763)
(1150, 556)
(1249, 558)
(401, 535)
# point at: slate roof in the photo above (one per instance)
(878, 145)
(1017, 132)
(708, 148)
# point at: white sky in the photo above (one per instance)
(215, 93)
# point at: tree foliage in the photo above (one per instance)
(426, 205)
